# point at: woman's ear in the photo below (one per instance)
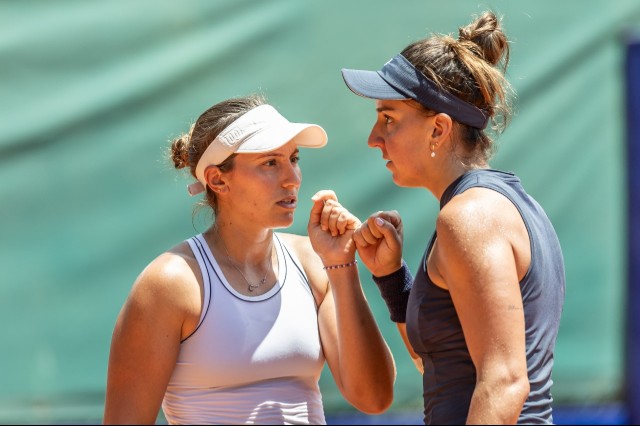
(442, 126)
(215, 179)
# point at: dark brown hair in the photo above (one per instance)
(472, 68)
(186, 150)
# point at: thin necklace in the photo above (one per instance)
(251, 286)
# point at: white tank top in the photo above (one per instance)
(252, 360)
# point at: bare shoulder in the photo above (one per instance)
(311, 263)
(481, 234)
(169, 282)
(477, 213)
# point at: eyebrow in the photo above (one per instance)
(273, 154)
(384, 108)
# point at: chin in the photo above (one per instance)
(399, 181)
(284, 222)
(404, 183)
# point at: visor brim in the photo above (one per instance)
(370, 84)
(272, 138)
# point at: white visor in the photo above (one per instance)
(261, 129)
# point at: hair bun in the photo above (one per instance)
(179, 151)
(486, 33)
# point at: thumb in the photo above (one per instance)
(316, 211)
(393, 217)
(389, 232)
(319, 199)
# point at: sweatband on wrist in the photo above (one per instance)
(395, 289)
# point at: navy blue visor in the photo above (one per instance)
(399, 79)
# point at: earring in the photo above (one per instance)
(433, 150)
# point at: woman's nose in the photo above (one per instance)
(375, 139)
(292, 176)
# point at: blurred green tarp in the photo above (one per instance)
(92, 92)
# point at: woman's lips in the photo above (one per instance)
(288, 203)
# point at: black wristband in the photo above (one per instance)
(395, 289)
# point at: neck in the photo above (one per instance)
(242, 245)
(247, 259)
(451, 169)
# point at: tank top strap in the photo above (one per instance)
(295, 261)
(499, 181)
(197, 247)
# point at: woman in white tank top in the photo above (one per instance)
(234, 325)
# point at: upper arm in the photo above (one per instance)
(146, 341)
(477, 236)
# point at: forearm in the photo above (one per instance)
(367, 370)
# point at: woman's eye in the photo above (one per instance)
(295, 159)
(270, 163)
(387, 119)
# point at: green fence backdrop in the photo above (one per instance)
(91, 92)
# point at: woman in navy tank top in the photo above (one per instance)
(481, 316)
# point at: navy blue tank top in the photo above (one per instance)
(435, 332)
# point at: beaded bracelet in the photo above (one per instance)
(344, 265)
